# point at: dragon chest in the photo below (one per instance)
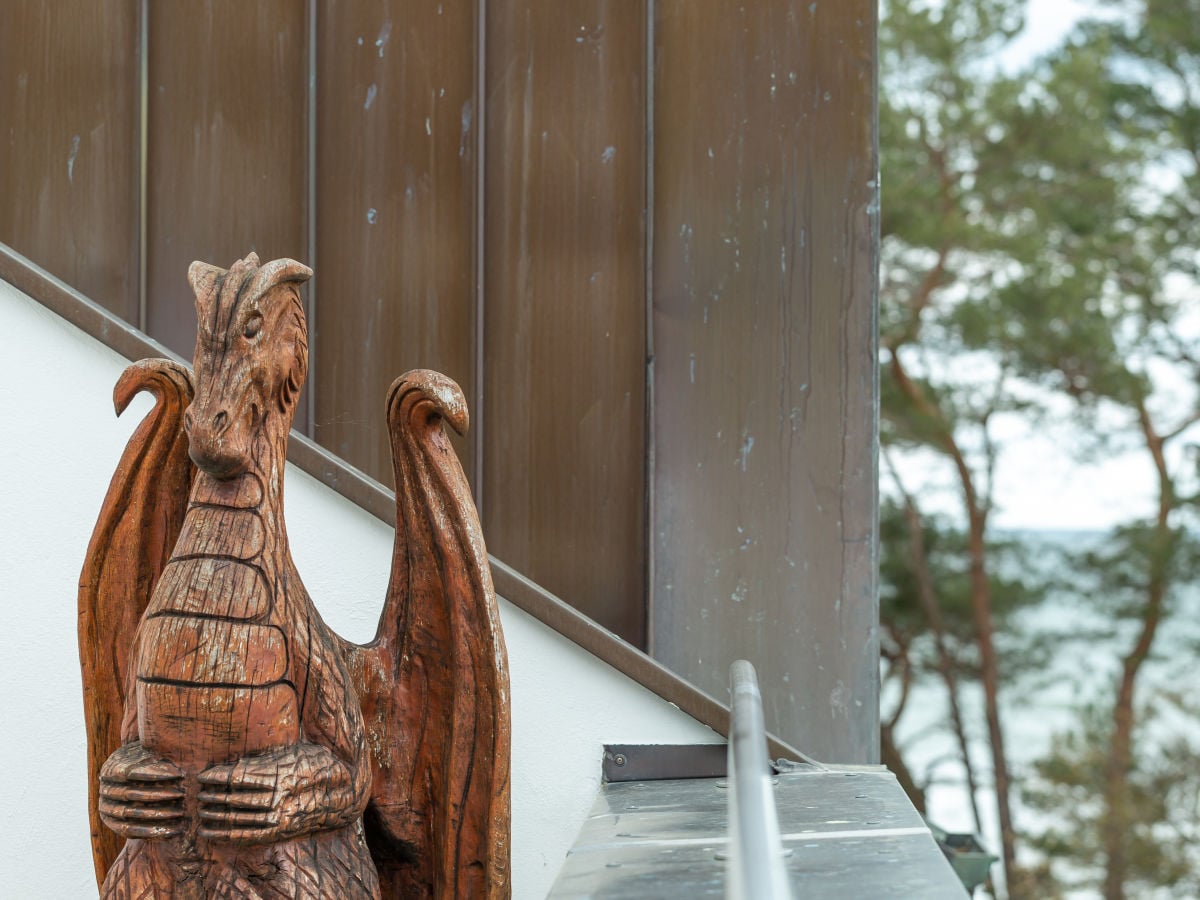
(213, 679)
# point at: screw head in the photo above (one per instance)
(619, 759)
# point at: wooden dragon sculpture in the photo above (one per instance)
(237, 747)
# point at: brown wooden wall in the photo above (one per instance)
(764, 322)
(637, 232)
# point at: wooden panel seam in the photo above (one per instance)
(143, 157)
(648, 289)
(479, 414)
(310, 208)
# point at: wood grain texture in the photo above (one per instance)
(251, 738)
(564, 333)
(397, 151)
(243, 767)
(68, 143)
(765, 368)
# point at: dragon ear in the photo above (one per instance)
(205, 280)
(277, 271)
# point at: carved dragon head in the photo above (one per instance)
(251, 359)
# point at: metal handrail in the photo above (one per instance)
(755, 869)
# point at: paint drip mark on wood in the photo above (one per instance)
(468, 113)
(71, 159)
(385, 34)
(747, 446)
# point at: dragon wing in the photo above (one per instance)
(433, 685)
(134, 535)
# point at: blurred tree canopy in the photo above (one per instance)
(1040, 244)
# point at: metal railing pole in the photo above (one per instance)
(755, 869)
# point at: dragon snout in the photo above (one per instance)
(216, 427)
(214, 444)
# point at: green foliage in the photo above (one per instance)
(1041, 250)
(1015, 586)
(1118, 574)
(1160, 820)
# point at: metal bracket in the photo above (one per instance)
(658, 762)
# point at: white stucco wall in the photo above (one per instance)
(59, 443)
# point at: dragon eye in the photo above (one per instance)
(253, 325)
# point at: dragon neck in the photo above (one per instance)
(258, 491)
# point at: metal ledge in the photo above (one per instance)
(662, 762)
(848, 832)
(367, 493)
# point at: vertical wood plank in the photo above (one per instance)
(396, 158)
(226, 148)
(68, 143)
(765, 367)
(564, 472)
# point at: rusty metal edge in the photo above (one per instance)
(367, 493)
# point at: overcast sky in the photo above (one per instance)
(1043, 481)
(1046, 22)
